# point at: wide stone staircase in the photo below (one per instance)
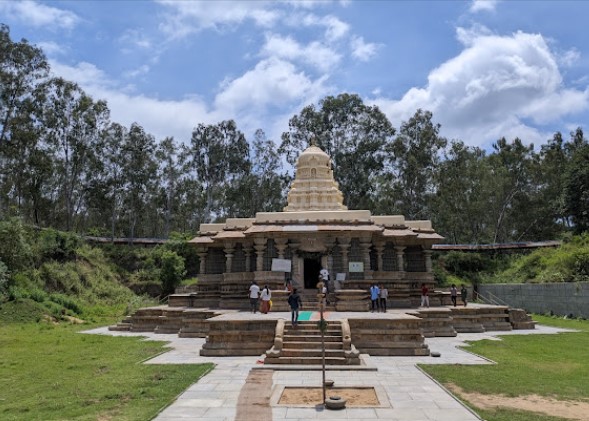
(302, 344)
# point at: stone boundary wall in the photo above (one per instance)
(561, 298)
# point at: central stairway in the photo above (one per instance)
(302, 345)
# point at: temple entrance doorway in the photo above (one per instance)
(311, 273)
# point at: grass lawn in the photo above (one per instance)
(52, 372)
(547, 365)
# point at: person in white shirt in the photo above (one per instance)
(266, 297)
(254, 295)
(384, 294)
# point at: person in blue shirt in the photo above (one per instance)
(374, 296)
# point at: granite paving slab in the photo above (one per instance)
(405, 392)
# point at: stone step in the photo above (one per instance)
(311, 361)
(120, 327)
(312, 345)
(301, 331)
(311, 338)
(310, 353)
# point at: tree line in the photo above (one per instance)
(65, 164)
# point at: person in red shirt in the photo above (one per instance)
(424, 295)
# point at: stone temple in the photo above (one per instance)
(315, 231)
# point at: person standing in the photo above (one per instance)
(424, 295)
(321, 290)
(463, 293)
(295, 303)
(374, 295)
(384, 294)
(253, 295)
(453, 294)
(266, 297)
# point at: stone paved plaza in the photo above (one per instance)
(404, 391)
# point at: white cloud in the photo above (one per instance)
(187, 17)
(335, 28)
(159, 117)
(491, 89)
(253, 100)
(483, 6)
(135, 38)
(569, 57)
(361, 50)
(315, 53)
(138, 72)
(36, 14)
(272, 83)
(52, 48)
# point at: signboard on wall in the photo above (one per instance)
(281, 265)
(340, 277)
(356, 267)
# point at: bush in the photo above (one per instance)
(4, 277)
(15, 245)
(66, 302)
(58, 245)
(172, 271)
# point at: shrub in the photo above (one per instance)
(15, 245)
(58, 245)
(4, 277)
(67, 302)
(172, 271)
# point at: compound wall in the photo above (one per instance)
(562, 298)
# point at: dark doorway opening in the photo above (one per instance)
(312, 268)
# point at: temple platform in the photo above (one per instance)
(347, 334)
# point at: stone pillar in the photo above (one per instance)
(247, 250)
(295, 271)
(365, 244)
(260, 246)
(202, 254)
(280, 244)
(428, 260)
(399, 251)
(379, 247)
(229, 248)
(344, 244)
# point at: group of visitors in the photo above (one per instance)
(255, 295)
(378, 297)
(453, 295)
(265, 295)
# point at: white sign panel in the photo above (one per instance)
(340, 277)
(281, 265)
(356, 266)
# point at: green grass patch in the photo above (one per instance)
(53, 372)
(547, 365)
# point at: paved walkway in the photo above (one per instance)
(404, 391)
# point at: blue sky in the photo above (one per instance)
(485, 69)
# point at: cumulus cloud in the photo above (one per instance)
(272, 87)
(159, 117)
(272, 83)
(362, 50)
(187, 17)
(483, 6)
(37, 15)
(315, 53)
(492, 88)
(52, 48)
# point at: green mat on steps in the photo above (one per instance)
(305, 316)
